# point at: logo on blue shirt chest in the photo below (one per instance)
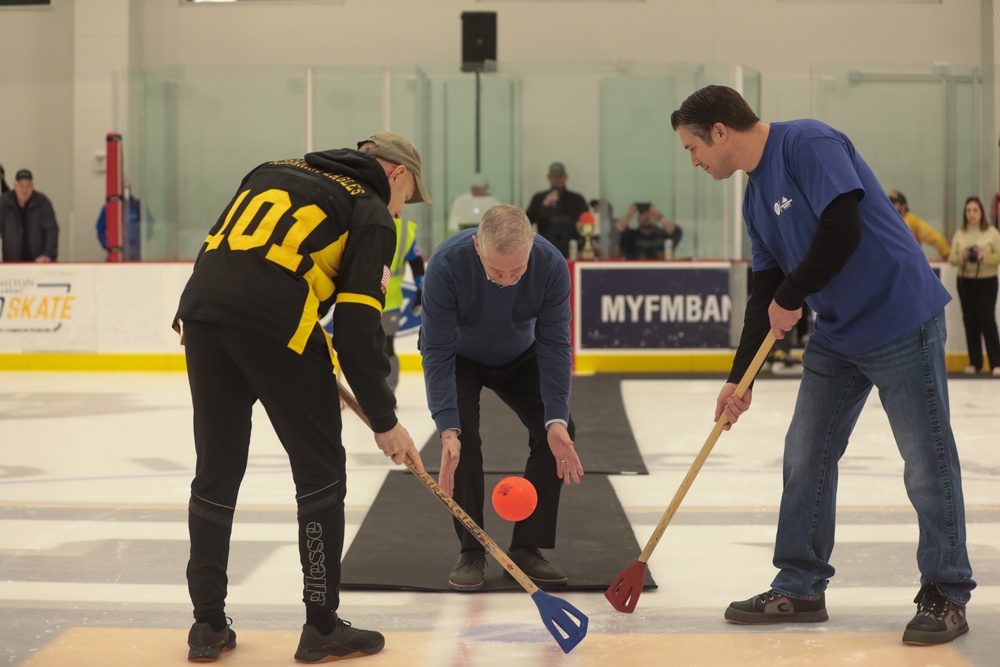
(782, 205)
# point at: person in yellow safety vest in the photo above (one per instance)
(407, 252)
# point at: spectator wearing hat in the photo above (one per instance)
(28, 224)
(556, 211)
(468, 208)
(922, 231)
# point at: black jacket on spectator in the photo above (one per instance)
(557, 224)
(27, 234)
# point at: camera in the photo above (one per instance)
(642, 207)
(974, 255)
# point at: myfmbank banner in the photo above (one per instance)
(652, 305)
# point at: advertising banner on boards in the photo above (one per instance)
(47, 308)
(651, 305)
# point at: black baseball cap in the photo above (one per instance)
(23, 173)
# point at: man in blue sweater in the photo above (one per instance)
(496, 315)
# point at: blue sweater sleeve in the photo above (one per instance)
(553, 346)
(416, 262)
(438, 339)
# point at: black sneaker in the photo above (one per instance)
(774, 607)
(938, 619)
(206, 645)
(533, 563)
(467, 574)
(343, 643)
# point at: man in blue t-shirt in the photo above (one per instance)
(823, 232)
(496, 315)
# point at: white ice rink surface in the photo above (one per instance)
(94, 480)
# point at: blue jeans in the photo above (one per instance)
(911, 378)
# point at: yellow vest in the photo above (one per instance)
(397, 271)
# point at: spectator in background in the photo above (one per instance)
(468, 208)
(28, 223)
(407, 252)
(652, 238)
(4, 188)
(132, 243)
(975, 250)
(557, 210)
(923, 232)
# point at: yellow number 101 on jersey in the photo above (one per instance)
(307, 218)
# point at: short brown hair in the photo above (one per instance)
(710, 105)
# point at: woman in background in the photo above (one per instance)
(975, 250)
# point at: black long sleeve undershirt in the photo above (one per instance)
(836, 239)
(360, 345)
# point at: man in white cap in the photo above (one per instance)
(468, 208)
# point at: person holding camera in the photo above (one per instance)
(656, 237)
(975, 250)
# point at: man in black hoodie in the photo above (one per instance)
(298, 237)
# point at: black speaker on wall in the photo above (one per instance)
(479, 41)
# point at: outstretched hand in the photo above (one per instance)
(451, 449)
(568, 466)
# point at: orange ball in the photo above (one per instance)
(514, 498)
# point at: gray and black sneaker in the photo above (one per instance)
(938, 619)
(343, 643)
(207, 645)
(467, 574)
(784, 363)
(533, 563)
(774, 607)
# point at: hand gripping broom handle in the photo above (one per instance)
(452, 506)
(706, 449)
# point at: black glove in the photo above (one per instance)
(417, 300)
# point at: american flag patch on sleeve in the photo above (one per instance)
(385, 279)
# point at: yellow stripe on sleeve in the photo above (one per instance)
(348, 297)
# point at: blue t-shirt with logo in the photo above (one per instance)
(887, 287)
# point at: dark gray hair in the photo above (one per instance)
(504, 230)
